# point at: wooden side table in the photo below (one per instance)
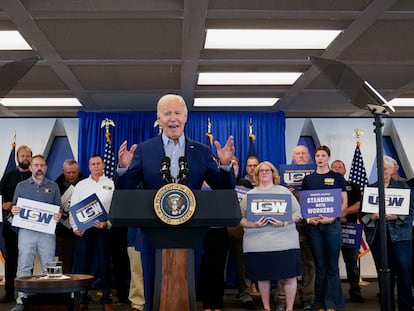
(52, 294)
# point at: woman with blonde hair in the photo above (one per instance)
(271, 246)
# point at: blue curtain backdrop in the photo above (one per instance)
(135, 127)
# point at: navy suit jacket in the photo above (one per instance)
(144, 169)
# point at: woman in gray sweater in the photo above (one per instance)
(271, 246)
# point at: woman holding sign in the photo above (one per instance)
(324, 229)
(398, 240)
(271, 241)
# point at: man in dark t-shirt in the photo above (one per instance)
(350, 214)
(7, 186)
(65, 238)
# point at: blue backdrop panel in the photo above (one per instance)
(59, 152)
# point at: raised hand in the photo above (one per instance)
(125, 155)
(225, 153)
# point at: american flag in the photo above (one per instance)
(251, 152)
(357, 173)
(109, 160)
(11, 163)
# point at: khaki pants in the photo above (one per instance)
(136, 287)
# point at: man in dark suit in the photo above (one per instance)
(139, 167)
(143, 161)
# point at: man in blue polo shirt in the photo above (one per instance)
(30, 242)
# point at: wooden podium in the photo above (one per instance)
(174, 287)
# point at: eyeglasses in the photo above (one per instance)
(39, 165)
(252, 165)
(265, 171)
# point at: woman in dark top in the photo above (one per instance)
(325, 236)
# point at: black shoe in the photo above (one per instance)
(249, 305)
(307, 306)
(7, 298)
(358, 299)
(280, 307)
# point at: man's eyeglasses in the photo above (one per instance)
(252, 165)
(265, 171)
(39, 165)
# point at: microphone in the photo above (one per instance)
(183, 166)
(165, 170)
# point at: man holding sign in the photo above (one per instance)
(35, 215)
(349, 218)
(292, 177)
(94, 241)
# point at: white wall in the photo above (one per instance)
(37, 133)
(337, 133)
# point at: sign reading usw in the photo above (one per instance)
(397, 201)
(271, 205)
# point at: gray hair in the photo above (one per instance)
(389, 162)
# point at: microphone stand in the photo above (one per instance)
(384, 271)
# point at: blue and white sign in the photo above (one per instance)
(291, 175)
(351, 235)
(88, 211)
(241, 192)
(270, 205)
(397, 201)
(325, 202)
(36, 216)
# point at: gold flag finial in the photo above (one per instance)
(14, 139)
(358, 133)
(107, 123)
(251, 135)
(208, 134)
(156, 123)
(208, 125)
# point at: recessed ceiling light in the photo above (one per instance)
(234, 102)
(247, 78)
(269, 38)
(40, 102)
(402, 102)
(12, 40)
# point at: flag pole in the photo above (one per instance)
(251, 135)
(209, 134)
(358, 133)
(109, 157)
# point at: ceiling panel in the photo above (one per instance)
(123, 55)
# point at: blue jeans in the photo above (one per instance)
(31, 242)
(326, 242)
(399, 261)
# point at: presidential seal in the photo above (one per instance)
(174, 204)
